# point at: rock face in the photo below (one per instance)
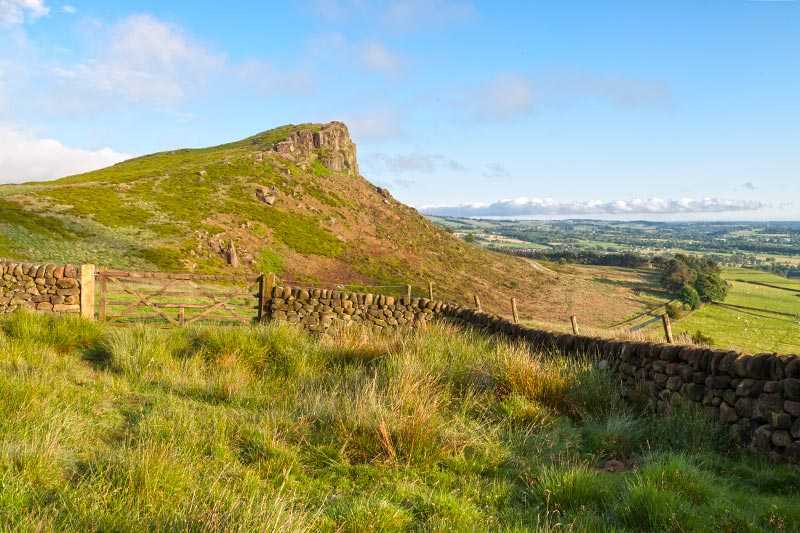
(331, 145)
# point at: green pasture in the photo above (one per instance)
(754, 330)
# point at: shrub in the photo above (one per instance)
(700, 338)
(675, 310)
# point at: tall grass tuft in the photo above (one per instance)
(269, 428)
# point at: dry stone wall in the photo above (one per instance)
(54, 288)
(756, 396)
(319, 309)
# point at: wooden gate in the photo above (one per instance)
(175, 299)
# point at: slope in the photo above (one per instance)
(290, 199)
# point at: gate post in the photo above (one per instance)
(266, 282)
(87, 291)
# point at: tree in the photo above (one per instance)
(711, 287)
(690, 297)
(677, 274)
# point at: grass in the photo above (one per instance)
(267, 428)
(748, 330)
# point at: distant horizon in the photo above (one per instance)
(566, 218)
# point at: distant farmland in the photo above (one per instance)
(755, 317)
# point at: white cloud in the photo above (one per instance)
(264, 77)
(413, 163)
(505, 97)
(24, 157)
(377, 57)
(395, 15)
(512, 95)
(408, 15)
(143, 59)
(523, 206)
(69, 9)
(617, 90)
(376, 125)
(495, 171)
(13, 12)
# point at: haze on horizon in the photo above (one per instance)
(668, 111)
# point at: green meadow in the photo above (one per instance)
(767, 319)
(268, 428)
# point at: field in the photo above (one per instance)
(602, 298)
(266, 428)
(767, 319)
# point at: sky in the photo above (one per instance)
(679, 110)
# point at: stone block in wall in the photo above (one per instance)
(791, 388)
(759, 366)
(792, 367)
(792, 407)
(781, 420)
(781, 438)
(66, 308)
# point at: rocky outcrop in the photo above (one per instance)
(331, 144)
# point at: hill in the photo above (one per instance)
(291, 200)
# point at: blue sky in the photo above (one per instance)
(624, 109)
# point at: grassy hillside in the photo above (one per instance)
(178, 210)
(767, 319)
(266, 428)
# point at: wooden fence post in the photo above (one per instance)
(103, 293)
(574, 321)
(514, 310)
(408, 292)
(478, 303)
(181, 315)
(430, 290)
(667, 327)
(87, 291)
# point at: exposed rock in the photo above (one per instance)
(267, 195)
(331, 145)
(233, 257)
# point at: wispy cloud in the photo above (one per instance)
(524, 206)
(505, 97)
(496, 171)
(374, 125)
(24, 156)
(13, 12)
(395, 15)
(264, 77)
(749, 185)
(375, 56)
(512, 95)
(143, 59)
(407, 15)
(412, 163)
